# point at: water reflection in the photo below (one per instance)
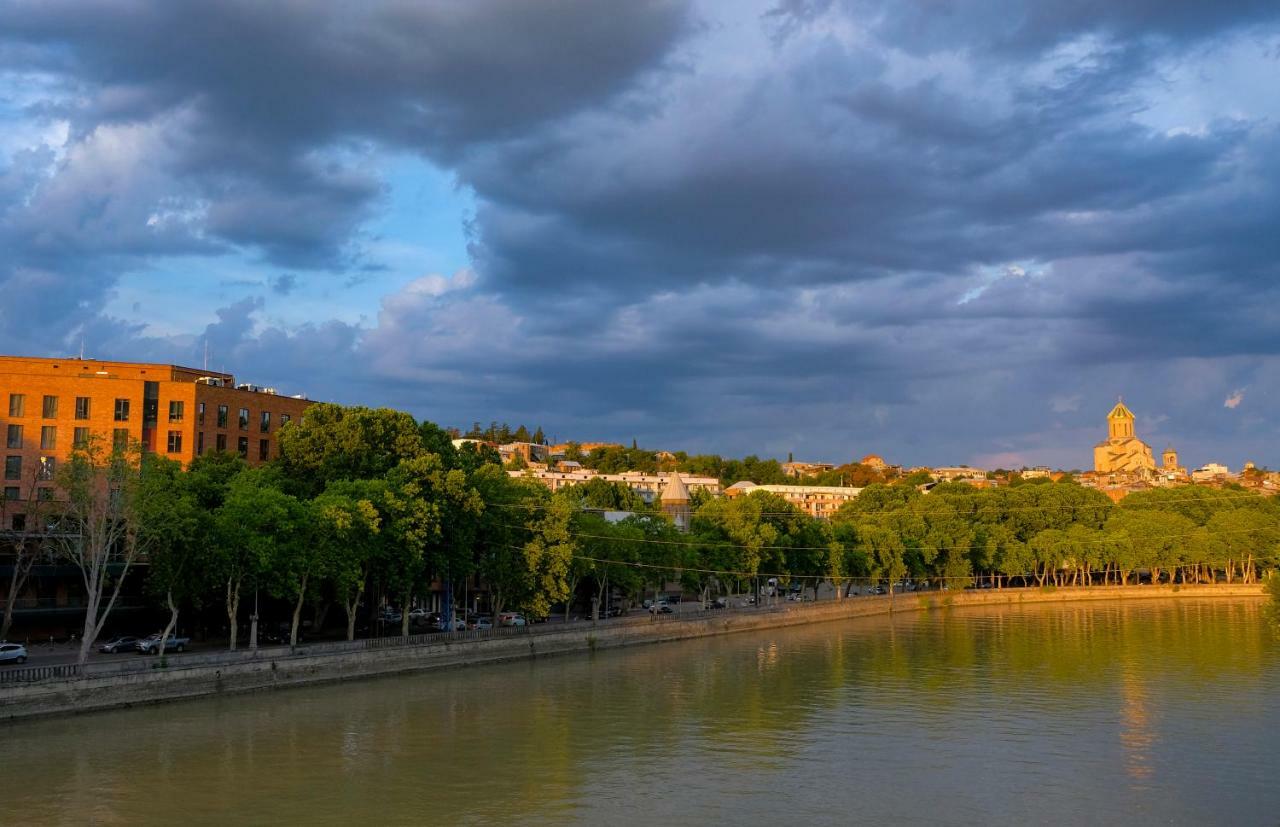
(1069, 714)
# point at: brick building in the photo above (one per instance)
(48, 406)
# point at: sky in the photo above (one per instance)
(944, 232)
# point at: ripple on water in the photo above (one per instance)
(1053, 714)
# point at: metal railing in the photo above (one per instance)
(32, 674)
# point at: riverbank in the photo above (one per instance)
(239, 672)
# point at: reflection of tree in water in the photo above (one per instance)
(504, 742)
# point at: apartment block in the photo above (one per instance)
(49, 406)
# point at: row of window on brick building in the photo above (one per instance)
(14, 437)
(177, 411)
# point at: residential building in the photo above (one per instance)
(815, 500)
(529, 452)
(958, 472)
(805, 469)
(50, 406)
(1211, 472)
(648, 486)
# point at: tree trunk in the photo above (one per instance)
(173, 621)
(600, 595)
(353, 608)
(21, 569)
(233, 606)
(297, 612)
(404, 615)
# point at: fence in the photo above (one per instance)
(40, 673)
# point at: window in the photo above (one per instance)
(199, 443)
(284, 420)
(175, 442)
(244, 419)
(80, 438)
(122, 410)
(177, 410)
(48, 467)
(13, 468)
(13, 438)
(49, 437)
(82, 407)
(199, 413)
(11, 493)
(150, 403)
(120, 439)
(49, 408)
(45, 493)
(17, 404)
(19, 522)
(264, 449)
(222, 416)
(264, 423)
(221, 443)
(242, 446)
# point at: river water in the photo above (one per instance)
(1116, 713)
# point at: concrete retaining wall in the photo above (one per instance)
(271, 670)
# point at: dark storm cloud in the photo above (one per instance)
(824, 226)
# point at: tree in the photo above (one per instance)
(97, 526)
(255, 519)
(170, 525)
(27, 542)
(349, 524)
(333, 442)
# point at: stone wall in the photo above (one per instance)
(270, 669)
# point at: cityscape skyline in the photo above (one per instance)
(816, 228)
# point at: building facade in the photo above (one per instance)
(648, 486)
(1122, 452)
(48, 407)
(819, 501)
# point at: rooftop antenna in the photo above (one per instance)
(206, 353)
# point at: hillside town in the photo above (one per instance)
(223, 491)
(1122, 464)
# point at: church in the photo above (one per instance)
(1123, 452)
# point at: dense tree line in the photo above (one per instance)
(366, 508)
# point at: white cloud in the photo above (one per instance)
(1065, 404)
(1233, 401)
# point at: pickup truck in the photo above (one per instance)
(151, 645)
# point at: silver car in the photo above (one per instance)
(13, 653)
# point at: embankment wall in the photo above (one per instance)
(266, 669)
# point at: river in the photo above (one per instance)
(1115, 713)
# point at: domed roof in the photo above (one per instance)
(675, 490)
(1120, 412)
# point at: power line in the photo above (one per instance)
(791, 576)
(1241, 497)
(697, 544)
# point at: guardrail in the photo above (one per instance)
(31, 674)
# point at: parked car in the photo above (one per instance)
(661, 607)
(511, 619)
(151, 645)
(13, 653)
(418, 614)
(121, 643)
(720, 603)
(482, 623)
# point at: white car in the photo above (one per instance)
(13, 653)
